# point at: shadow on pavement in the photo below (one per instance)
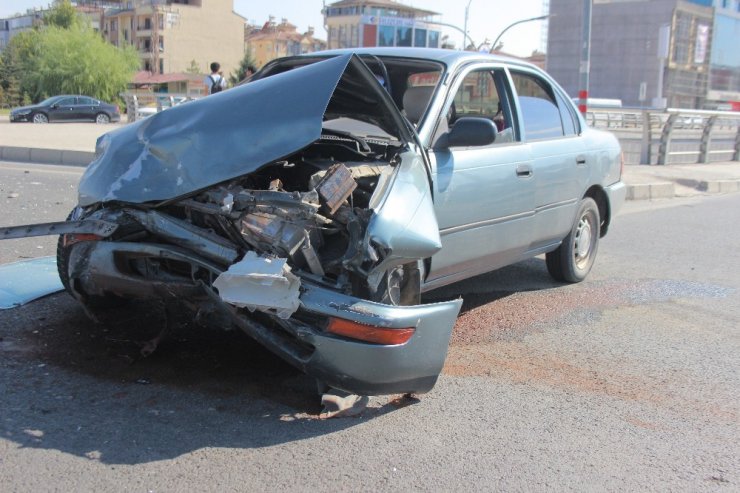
(83, 389)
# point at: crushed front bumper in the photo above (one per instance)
(98, 268)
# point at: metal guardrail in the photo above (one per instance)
(140, 106)
(672, 136)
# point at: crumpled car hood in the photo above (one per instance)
(199, 144)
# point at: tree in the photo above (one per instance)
(64, 56)
(77, 61)
(62, 15)
(239, 74)
(194, 68)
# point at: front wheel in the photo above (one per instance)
(573, 259)
(40, 118)
(102, 118)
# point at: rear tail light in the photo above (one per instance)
(369, 333)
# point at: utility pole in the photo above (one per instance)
(465, 27)
(155, 39)
(585, 66)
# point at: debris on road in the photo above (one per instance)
(28, 280)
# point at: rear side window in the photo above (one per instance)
(540, 113)
(86, 101)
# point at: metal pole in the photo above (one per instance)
(467, 9)
(495, 42)
(585, 58)
(452, 26)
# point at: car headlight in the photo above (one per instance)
(22, 112)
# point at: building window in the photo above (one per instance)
(125, 34)
(385, 35)
(403, 36)
(161, 66)
(420, 37)
(433, 41)
(147, 24)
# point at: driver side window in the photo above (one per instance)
(478, 96)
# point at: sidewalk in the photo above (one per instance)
(74, 144)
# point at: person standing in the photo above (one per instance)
(215, 82)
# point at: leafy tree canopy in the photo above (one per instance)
(239, 74)
(62, 15)
(77, 61)
(194, 68)
(66, 56)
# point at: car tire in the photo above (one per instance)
(401, 286)
(39, 118)
(573, 259)
(102, 118)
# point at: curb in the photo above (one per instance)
(719, 186)
(649, 191)
(46, 156)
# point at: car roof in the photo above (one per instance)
(451, 58)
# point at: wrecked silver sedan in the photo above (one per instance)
(308, 210)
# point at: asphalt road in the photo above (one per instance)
(627, 381)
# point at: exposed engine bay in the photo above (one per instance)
(311, 209)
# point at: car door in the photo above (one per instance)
(86, 108)
(483, 196)
(558, 155)
(63, 110)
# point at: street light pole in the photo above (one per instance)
(467, 9)
(452, 26)
(493, 46)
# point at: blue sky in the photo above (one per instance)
(486, 18)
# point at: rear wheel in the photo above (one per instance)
(573, 259)
(40, 118)
(102, 118)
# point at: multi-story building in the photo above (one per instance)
(170, 34)
(274, 40)
(13, 25)
(355, 23)
(724, 70)
(643, 52)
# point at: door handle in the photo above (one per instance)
(523, 170)
(581, 159)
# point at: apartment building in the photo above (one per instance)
(355, 23)
(170, 34)
(274, 40)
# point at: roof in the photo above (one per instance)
(381, 3)
(450, 58)
(145, 77)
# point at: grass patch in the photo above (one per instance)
(4, 111)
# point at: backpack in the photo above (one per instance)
(216, 85)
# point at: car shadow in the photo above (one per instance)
(82, 388)
(528, 275)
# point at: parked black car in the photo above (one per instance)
(67, 109)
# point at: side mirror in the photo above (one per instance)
(470, 131)
(55, 106)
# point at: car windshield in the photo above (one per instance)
(397, 75)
